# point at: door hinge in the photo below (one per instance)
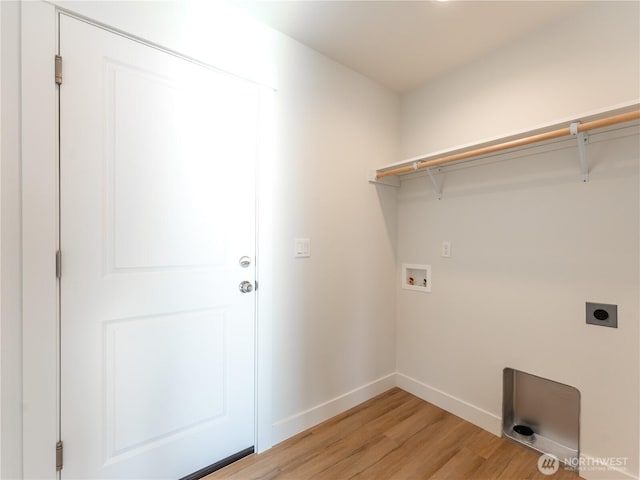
(58, 70)
(59, 448)
(58, 264)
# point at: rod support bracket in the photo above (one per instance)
(583, 140)
(387, 181)
(437, 185)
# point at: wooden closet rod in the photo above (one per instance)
(541, 137)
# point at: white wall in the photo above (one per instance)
(531, 243)
(586, 62)
(10, 278)
(334, 315)
(0, 236)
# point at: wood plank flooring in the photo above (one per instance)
(394, 436)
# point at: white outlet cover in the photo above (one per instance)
(302, 247)
(446, 249)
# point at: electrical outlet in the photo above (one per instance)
(602, 314)
(446, 249)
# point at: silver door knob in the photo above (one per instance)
(246, 287)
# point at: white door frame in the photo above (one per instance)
(40, 239)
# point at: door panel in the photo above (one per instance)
(157, 203)
(187, 355)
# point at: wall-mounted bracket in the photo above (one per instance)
(387, 181)
(437, 185)
(583, 140)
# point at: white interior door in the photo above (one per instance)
(157, 206)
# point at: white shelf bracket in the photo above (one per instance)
(583, 140)
(437, 185)
(387, 181)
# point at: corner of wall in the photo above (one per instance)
(299, 422)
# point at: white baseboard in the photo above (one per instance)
(295, 424)
(471, 413)
(593, 471)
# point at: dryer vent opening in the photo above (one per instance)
(542, 414)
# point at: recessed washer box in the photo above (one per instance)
(602, 314)
(416, 277)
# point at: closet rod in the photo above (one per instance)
(541, 137)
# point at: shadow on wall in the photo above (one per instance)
(387, 201)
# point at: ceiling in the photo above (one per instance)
(403, 44)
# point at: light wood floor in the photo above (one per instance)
(393, 436)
